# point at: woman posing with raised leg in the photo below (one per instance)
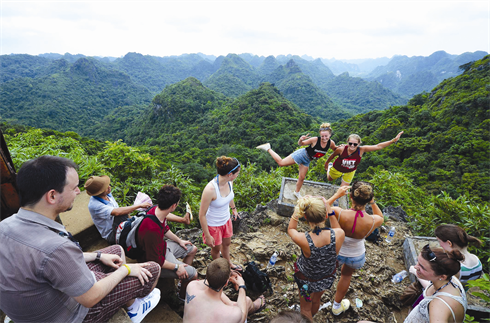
(317, 148)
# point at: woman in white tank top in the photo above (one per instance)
(214, 213)
(444, 299)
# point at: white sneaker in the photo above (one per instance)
(344, 306)
(297, 194)
(329, 166)
(142, 306)
(264, 147)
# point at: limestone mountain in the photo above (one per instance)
(446, 142)
(75, 97)
(300, 89)
(357, 95)
(234, 77)
(408, 76)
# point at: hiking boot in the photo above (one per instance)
(297, 194)
(142, 306)
(264, 147)
(344, 306)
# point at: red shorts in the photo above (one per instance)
(218, 233)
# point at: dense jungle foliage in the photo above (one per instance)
(438, 172)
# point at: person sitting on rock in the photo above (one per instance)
(206, 302)
(105, 211)
(45, 276)
(357, 225)
(161, 245)
(317, 265)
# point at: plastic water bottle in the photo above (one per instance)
(273, 260)
(390, 234)
(399, 277)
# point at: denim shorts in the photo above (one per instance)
(301, 157)
(352, 262)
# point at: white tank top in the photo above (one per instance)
(219, 210)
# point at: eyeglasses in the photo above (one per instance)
(216, 290)
(430, 253)
(353, 144)
(238, 165)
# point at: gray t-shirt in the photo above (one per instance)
(40, 271)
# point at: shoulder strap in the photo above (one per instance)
(371, 226)
(452, 312)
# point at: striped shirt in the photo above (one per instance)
(472, 273)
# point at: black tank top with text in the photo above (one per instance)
(317, 151)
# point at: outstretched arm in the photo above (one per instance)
(337, 152)
(118, 211)
(380, 145)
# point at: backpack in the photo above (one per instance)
(255, 279)
(127, 234)
(374, 236)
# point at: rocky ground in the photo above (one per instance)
(259, 234)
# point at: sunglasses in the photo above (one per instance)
(238, 165)
(353, 144)
(430, 253)
(325, 129)
(216, 290)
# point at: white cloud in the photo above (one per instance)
(340, 29)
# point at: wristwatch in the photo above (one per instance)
(176, 267)
(242, 286)
(97, 258)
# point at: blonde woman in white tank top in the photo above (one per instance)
(214, 212)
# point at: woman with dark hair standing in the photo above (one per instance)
(214, 213)
(316, 266)
(444, 299)
(357, 225)
(317, 148)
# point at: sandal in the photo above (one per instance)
(237, 268)
(262, 304)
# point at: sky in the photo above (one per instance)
(320, 29)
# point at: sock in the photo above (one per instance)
(135, 305)
(336, 305)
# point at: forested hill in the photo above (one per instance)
(66, 96)
(446, 143)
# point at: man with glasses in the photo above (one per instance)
(350, 157)
(161, 245)
(44, 274)
(206, 302)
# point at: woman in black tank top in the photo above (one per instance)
(317, 148)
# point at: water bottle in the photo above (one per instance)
(399, 277)
(273, 260)
(390, 234)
